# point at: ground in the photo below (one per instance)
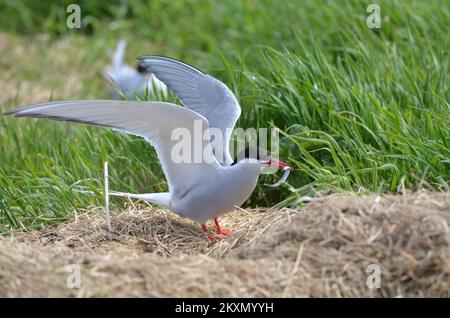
(323, 249)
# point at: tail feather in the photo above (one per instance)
(162, 198)
(117, 58)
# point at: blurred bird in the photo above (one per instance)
(198, 190)
(131, 81)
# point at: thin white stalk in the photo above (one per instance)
(108, 221)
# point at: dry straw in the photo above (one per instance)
(321, 250)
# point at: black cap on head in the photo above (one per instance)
(142, 69)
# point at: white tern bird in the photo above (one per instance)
(198, 190)
(131, 81)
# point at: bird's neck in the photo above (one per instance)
(245, 172)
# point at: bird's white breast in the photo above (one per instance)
(218, 194)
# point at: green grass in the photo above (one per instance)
(359, 110)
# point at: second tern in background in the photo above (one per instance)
(131, 81)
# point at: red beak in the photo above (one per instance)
(279, 164)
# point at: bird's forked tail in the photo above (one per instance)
(162, 198)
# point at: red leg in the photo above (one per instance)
(210, 237)
(220, 230)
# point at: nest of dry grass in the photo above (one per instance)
(321, 250)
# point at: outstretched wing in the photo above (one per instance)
(174, 131)
(203, 94)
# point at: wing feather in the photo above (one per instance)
(200, 92)
(155, 121)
